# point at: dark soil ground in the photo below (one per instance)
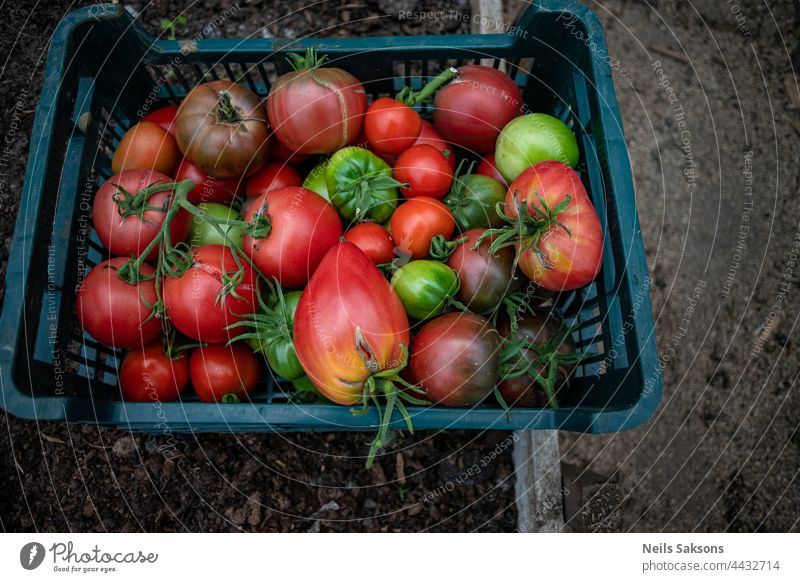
(722, 453)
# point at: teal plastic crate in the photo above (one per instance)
(104, 71)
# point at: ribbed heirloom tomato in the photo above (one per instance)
(126, 223)
(314, 109)
(561, 243)
(222, 128)
(114, 312)
(214, 293)
(296, 227)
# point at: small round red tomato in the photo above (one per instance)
(279, 151)
(429, 136)
(114, 312)
(487, 167)
(391, 126)
(165, 117)
(298, 227)
(271, 176)
(195, 302)
(121, 224)
(146, 146)
(149, 375)
(223, 373)
(207, 188)
(417, 221)
(426, 171)
(374, 240)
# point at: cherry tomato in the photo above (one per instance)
(428, 135)
(114, 312)
(129, 235)
(390, 126)
(146, 146)
(271, 176)
(426, 171)
(374, 240)
(207, 188)
(487, 167)
(149, 375)
(194, 301)
(417, 221)
(165, 117)
(223, 373)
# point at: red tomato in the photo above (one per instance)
(279, 151)
(374, 240)
(349, 325)
(303, 227)
(207, 188)
(429, 136)
(223, 372)
(487, 167)
(473, 108)
(390, 126)
(316, 110)
(149, 375)
(146, 146)
(570, 248)
(417, 221)
(271, 176)
(426, 171)
(193, 301)
(126, 236)
(114, 312)
(165, 117)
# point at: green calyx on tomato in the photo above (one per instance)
(425, 287)
(442, 249)
(473, 200)
(534, 138)
(219, 232)
(308, 61)
(315, 181)
(361, 185)
(270, 333)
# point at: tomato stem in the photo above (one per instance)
(225, 110)
(441, 249)
(310, 61)
(412, 98)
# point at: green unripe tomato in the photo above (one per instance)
(534, 138)
(315, 181)
(203, 232)
(473, 202)
(425, 287)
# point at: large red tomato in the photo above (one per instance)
(474, 107)
(195, 302)
(316, 110)
(147, 374)
(114, 312)
(298, 228)
(416, 222)
(429, 136)
(271, 176)
(207, 188)
(124, 224)
(223, 373)
(566, 250)
(222, 127)
(349, 325)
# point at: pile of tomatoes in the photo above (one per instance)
(371, 256)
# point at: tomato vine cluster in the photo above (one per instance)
(373, 257)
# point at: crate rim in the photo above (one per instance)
(24, 405)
